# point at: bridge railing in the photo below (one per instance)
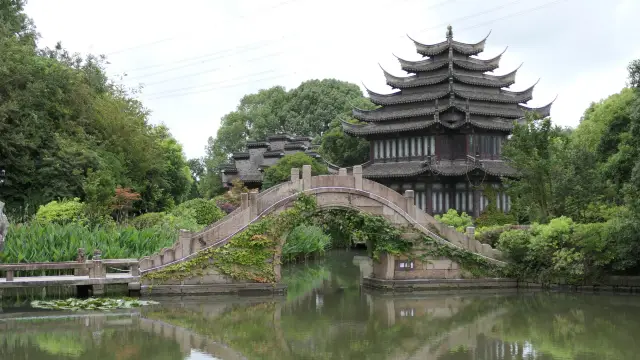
(95, 268)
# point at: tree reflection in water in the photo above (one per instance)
(327, 316)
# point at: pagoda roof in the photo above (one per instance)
(457, 46)
(442, 75)
(469, 63)
(408, 125)
(444, 90)
(444, 168)
(510, 111)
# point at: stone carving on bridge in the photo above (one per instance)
(4, 226)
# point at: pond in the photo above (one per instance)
(326, 315)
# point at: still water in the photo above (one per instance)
(325, 315)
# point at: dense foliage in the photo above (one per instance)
(281, 171)
(68, 131)
(36, 242)
(313, 109)
(580, 189)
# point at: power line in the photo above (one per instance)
(258, 13)
(209, 84)
(210, 70)
(219, 87)
(244, 48)
(191, 90)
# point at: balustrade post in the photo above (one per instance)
(357, 174)
(306, 177)
(244, 201)
(135, 269)
(295, 178)
(97, 270)
(81, 258)
(253, 204)
(342, 172)
(9, 275)
(410, 208)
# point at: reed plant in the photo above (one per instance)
(305, 241)
(48, 242)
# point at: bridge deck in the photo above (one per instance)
(67, 280)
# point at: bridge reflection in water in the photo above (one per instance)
(328, 316)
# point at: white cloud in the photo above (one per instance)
(579, 49)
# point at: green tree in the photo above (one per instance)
(68, 131)
(281, 171)
(532, 151)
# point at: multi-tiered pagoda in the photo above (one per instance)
(441, 134)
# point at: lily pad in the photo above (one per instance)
(91, 304)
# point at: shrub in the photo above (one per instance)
(204, 212)
(305, 241)
(160, 219)
(63, 212)
(458, 221)
(281, 171)
(491, 234)
(494, 217)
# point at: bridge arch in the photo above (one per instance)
(349, 191)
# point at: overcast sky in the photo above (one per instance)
(197, 58)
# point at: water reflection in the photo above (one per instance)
(327, 316)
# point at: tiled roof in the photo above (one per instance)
(240, 155)
(460, 47)
(414, 110)
(443, 90)
(408, 125)
(444, 167)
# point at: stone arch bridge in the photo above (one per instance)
(342, 190)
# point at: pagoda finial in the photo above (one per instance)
(449, 32)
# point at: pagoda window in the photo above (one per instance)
(393, 148)
(470, 202)
(461, 197)
(436, 198)
(401, 148)
(387, 149)
(376, 149)
(406, 147)
(429, 145)
(419, 146)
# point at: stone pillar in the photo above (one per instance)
(470, 236)
(244, 201)
(253, 204)
(184, 240)
(295, 178)
(357, 174)
(81, 258)
(97, 269)
(342, 172)
(410, 208)
(306, 177)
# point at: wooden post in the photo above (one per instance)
(9, 275)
